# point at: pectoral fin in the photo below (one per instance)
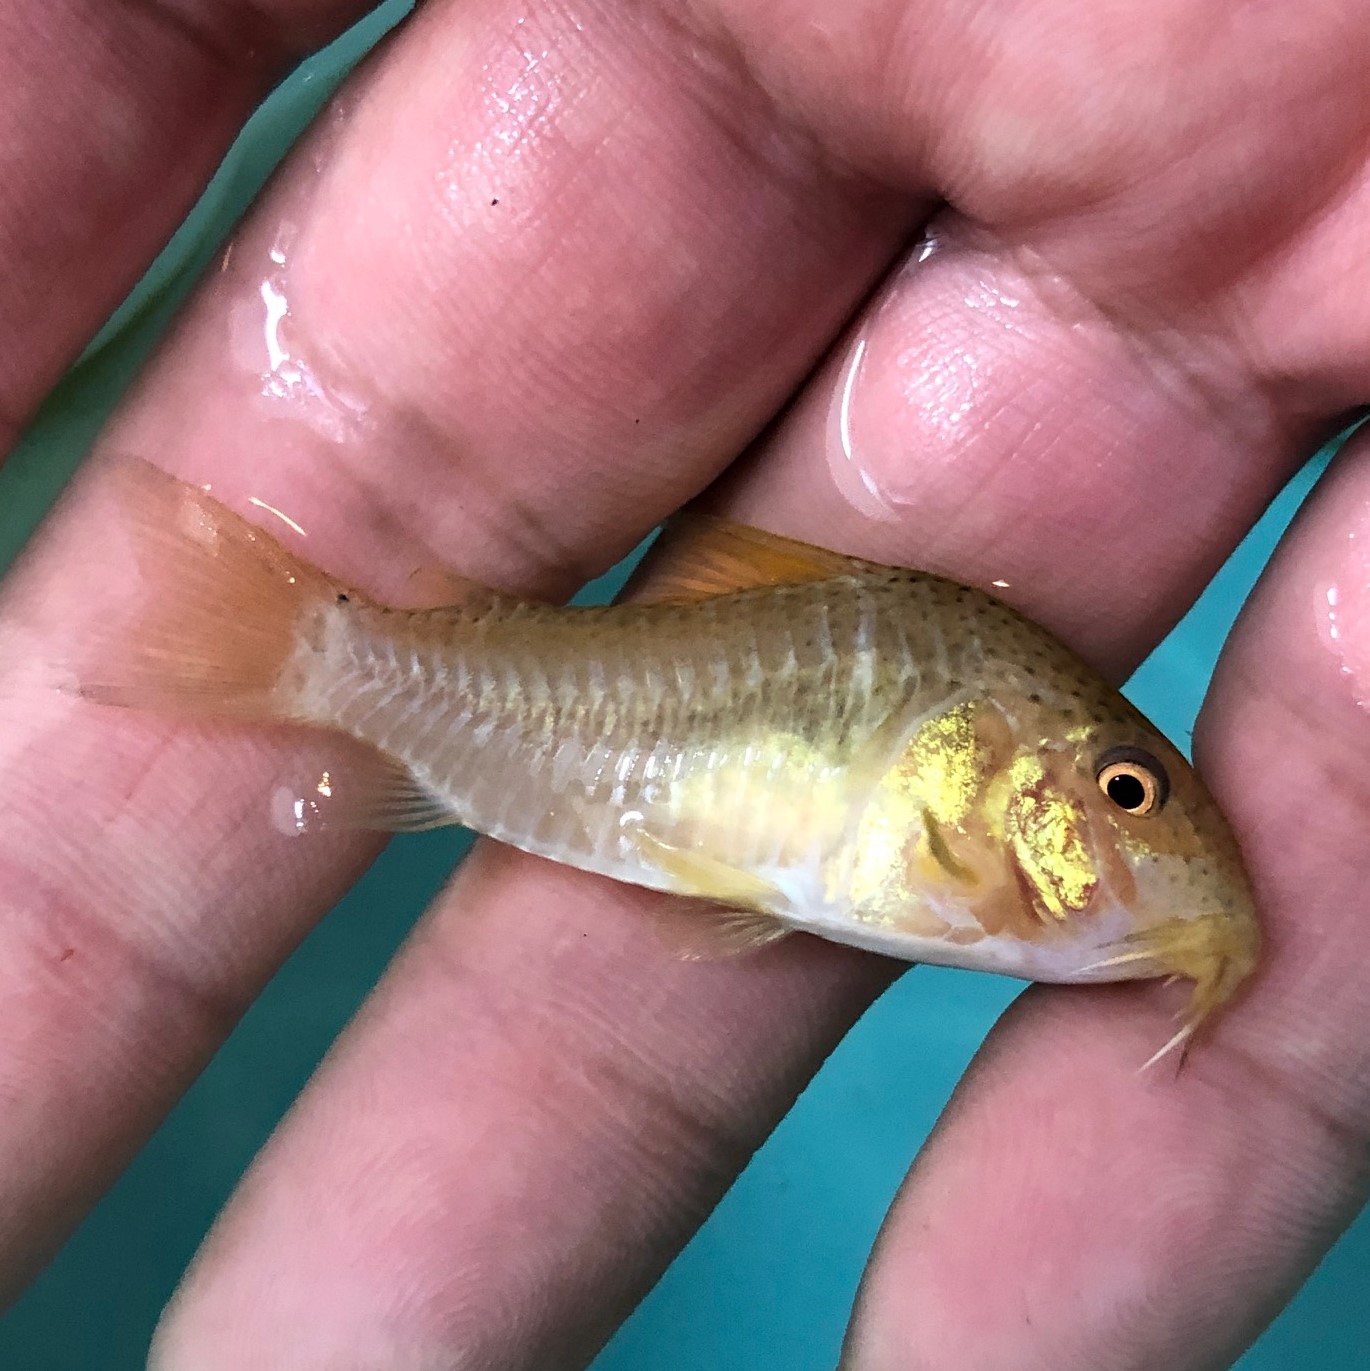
(706, 878)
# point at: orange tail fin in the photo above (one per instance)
(222, 609)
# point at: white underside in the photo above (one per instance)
(1068, 955)
(1064, 961)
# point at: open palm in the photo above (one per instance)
(537, 277)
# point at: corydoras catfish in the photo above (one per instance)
(799, 740)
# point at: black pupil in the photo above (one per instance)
(1126, 791)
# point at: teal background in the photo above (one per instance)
(769, 1280)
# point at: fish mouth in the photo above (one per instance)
(1217, 952)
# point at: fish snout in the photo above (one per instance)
(1216, 952)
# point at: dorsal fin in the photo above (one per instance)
(699, 556)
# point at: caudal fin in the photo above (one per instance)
(222, 607)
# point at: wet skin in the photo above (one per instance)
(1145, 306)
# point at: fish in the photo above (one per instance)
(795, 739)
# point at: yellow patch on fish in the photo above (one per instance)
(1045, 827)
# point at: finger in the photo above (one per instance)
(1162, 1221)
(505, 1149)
(415, 374)
(112, 118)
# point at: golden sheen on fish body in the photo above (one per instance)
(797, 739)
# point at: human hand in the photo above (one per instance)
(548, 268)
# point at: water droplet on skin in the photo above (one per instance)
(895, 395)
(852, 479)
(294, 812)
(926, 246)
(288, 816)
(276, 310)
(848, 451)
(287, 231)
(258, 365)
(273, 346)
(1342, 612)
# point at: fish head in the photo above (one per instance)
(1117, 838)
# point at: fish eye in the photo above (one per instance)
(1133, 779)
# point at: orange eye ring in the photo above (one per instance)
(1134, 780)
